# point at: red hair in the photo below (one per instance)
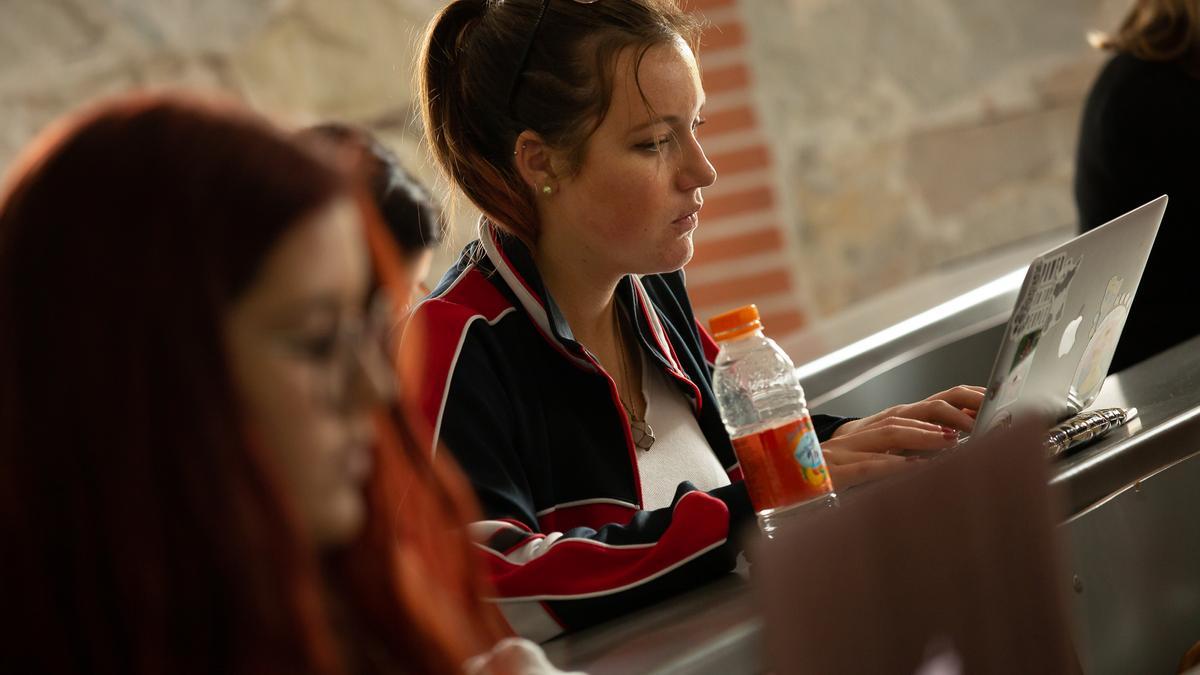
(142, 532)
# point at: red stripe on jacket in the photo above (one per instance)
(445, 319)
(711, 348)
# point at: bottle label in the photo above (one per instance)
(783, 465)
(812, 461)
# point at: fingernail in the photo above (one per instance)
(949, 433)
(970, 412)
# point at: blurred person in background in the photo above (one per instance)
(407, 208)
(199, 472)
(566, 326)
(1140, 138)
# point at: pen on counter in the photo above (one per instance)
(1086, 426)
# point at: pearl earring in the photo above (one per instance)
(546, 189)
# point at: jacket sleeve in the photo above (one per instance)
(550, 581)
(825, 425)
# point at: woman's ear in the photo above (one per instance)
(535, 161)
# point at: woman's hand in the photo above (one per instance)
(954, 409)
(864, 455)
(860, 451)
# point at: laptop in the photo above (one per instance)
(1063, 332)
(953, 568)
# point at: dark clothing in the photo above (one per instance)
(538, 428)
(1139, 139)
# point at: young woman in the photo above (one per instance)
(566, 327)
(196, 470)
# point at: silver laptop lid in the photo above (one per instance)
(1063, 332)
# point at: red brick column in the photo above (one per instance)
(742, 250)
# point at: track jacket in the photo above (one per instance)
(538, 428)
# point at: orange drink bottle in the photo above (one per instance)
(766, 415)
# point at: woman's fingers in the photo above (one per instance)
(891, 437)
(901, 421)
(858, 451)
(956, 408)
(962, 396)
(848, 475)
(940, 412)
(846, 457)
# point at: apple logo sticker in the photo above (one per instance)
(1068, 336)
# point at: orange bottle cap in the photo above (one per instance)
(735, 323)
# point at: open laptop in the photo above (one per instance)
(1060, 339)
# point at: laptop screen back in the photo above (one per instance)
(1063, 332)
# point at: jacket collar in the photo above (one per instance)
(513, 261)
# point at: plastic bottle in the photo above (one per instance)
(766, 415)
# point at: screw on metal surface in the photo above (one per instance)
(1137, 486)
(1077, 583)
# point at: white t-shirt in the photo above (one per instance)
(680, 451)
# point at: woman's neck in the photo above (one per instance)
(583, 294)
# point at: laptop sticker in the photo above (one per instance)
(1043, 306)
(1040, 309)
(1067, 342)
(1102, 342)
(1010, 388)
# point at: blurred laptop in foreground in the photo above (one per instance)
(950, 569)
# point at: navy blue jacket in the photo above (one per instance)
(539, 429)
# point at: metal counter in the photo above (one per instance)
(1131, 526)
(1133, 532)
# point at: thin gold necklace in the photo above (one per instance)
(641, 431)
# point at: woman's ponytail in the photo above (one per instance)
(439, 83)
(462, 119)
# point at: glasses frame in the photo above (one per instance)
(363, 350)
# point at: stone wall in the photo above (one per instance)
(861, 142)
(299, 60)
(915, 135)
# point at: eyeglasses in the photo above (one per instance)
(355, 358)
(516, 80)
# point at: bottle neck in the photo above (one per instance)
(743, 339)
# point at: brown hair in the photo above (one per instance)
(144, 531)
(1158, 30)
(474, 60)
(408, 209)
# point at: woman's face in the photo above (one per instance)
(309, 370)
(632, 206)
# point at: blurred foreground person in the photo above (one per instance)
(954, 568)
(197, 472)
(1139, 139)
